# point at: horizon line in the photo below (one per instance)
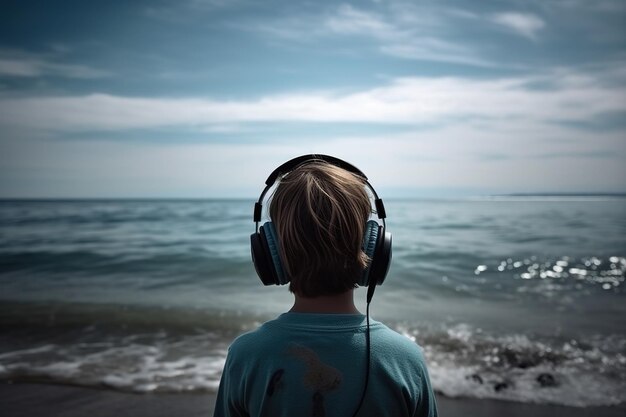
(423, 197)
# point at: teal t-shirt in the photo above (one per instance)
(313, 365)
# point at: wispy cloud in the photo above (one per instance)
(349, 20)
(24, 64)
(403, 32)
(436, 50)
(524, 24)
(611, 6)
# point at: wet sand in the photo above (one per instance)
(39, 400)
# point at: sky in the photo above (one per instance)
(204, 98)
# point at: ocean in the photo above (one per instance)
(512, 298)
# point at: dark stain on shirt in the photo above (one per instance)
(318, 405)
(275, 382)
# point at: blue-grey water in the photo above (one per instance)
(518, 299)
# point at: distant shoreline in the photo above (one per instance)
(560, 195)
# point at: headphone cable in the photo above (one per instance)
(370, 294)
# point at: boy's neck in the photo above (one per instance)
(329, 304)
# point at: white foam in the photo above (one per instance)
(137, 363)
(467, 363)
(575, 388)
(24, 352)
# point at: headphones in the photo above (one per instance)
(265, 245)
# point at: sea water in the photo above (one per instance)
(514, 298)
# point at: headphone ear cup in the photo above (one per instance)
(370, 242)
(382, 258)
(266, 257)
(268, 232)
(262, 261)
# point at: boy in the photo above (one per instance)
(322, 358)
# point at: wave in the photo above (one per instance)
(110, 212)
(197, 261)
(137, 363)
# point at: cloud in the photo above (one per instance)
(437, 50)
(28, 65)
(349, 20)
(565, 96)
(403, 32)
(406, 32)
(611, 6)
(524, 24)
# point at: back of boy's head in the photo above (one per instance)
(320, 212)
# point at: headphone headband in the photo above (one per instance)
(295, 162)
(300, 160)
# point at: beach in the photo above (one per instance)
(41, 400)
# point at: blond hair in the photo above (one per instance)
(320, 212)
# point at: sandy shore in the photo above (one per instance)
(39, 400)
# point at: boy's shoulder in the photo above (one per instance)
(384, 339)
(255, 339)
(394, 343)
